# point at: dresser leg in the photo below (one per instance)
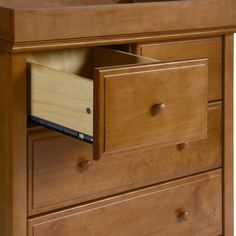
(13, 186)
(228, 136)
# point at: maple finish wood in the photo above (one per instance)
(142, 190)
(54, 93)
(80, 21)
(228, 162)
(5, 28)
(152, 211)
(120, 119)
(13, 165)
(210, 48)
(127, 111)
(59, 164)
(65, 85)
(82, 61)
(113, 40)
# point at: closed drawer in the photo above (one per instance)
(189, 49)
(190, 206)
(135, 103)
(61, 171)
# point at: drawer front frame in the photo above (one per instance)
(54, 166)
(152, 210)
(188, 49)
(104, 144)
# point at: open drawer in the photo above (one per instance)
(117, 100)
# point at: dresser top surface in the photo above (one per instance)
(24, 21)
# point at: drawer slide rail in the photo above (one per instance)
(58, 128)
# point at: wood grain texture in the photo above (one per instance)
(72, 61)
(228, 219)
(35, 24)
(210, 48)
(27, 4)
(152, 211)
(82, 61)
(59, 91)
(112, 40)
(125, 113)
(40, 25)
(61, 98)
(6, 25)
(13, 167)
(54, 166)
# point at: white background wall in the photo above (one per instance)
(235, 134)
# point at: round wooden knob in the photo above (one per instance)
(183, 215)
(84, 165)
(158, 109)
(183, 146)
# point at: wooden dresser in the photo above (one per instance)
(116, 117)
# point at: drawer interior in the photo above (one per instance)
(82, 61)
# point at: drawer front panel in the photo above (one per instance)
(190, 206)
(60, 175)
(154, 104)
(190, 49)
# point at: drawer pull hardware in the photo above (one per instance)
(84, 165)
(158, 109)
(183, 216)
(183, 146)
